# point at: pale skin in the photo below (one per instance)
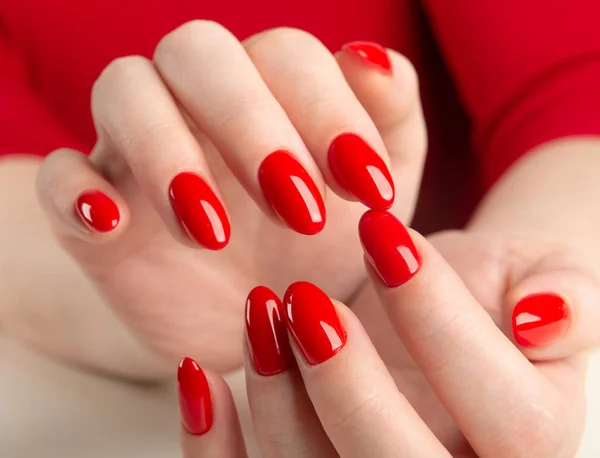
(115, 316)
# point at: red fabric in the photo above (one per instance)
(525, 72)
(528, 71)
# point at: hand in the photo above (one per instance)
(215, 108)
(335, 396)
(543, 296)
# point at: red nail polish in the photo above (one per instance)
(540, 319)
(195, 403)
(388, 247)
(313, 322)
(361, 171)
(199, 210)
(292, 193)
(98, 211)
(371, 53)
(267, 333)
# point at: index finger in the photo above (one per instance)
(499, 400)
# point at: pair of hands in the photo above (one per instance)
(217, 108)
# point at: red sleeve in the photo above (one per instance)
(528, 71)
(26, 124)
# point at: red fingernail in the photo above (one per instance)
(313, 322)
(371, 53)
(199, 210)
(361, 171)
(388, 247)
(195, 403)
(98, 211)
(292, 193)
(540, 319)
(267, 333)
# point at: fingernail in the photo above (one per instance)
(370, 53)
(313, 322)
(539, 320)
(199, 211)
(292, 193)
(388, 247)
(267, 333)
(195, 402)
(98, 211)
(361, 171)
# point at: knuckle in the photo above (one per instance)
(191, 32)
(48, 175)
(119, 71)
(248, 105)
(281, 37)
(362, 413)
(537, 435)
(277, 437)
(410, 77)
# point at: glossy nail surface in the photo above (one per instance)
(313, 322)
(199, 211)
(292, 193)
(195, 403)
(388, 247)
(540, 319)
(361, 171)
(267, 332)
(370, 53)
(98, 211)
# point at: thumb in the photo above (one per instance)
(554, 309)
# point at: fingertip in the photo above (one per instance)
(389, 248)
(79, 202)
(369, 53)
(97, 211)
(540, 319)
(195, 399)
(199, 211)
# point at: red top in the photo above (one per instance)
(519, 72)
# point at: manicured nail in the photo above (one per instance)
(98, 211)
(370, 53)
(195, 402)
(313, 322)
(539, 320)
(292, 193)
(361, 171)
(267, 333)
(388, 247)
(199, 211)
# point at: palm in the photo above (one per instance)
(180, 300)
(484, 262)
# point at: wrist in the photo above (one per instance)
(550, 194)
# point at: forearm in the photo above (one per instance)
(45, 299)
(552, 193)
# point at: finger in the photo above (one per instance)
(351, 390)
(212, 76)
(387, 86)
(210, 425)
(553, 312)
(136, 116)
(482, 379)
(284, 420)
(306, 80)
(79, 202)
